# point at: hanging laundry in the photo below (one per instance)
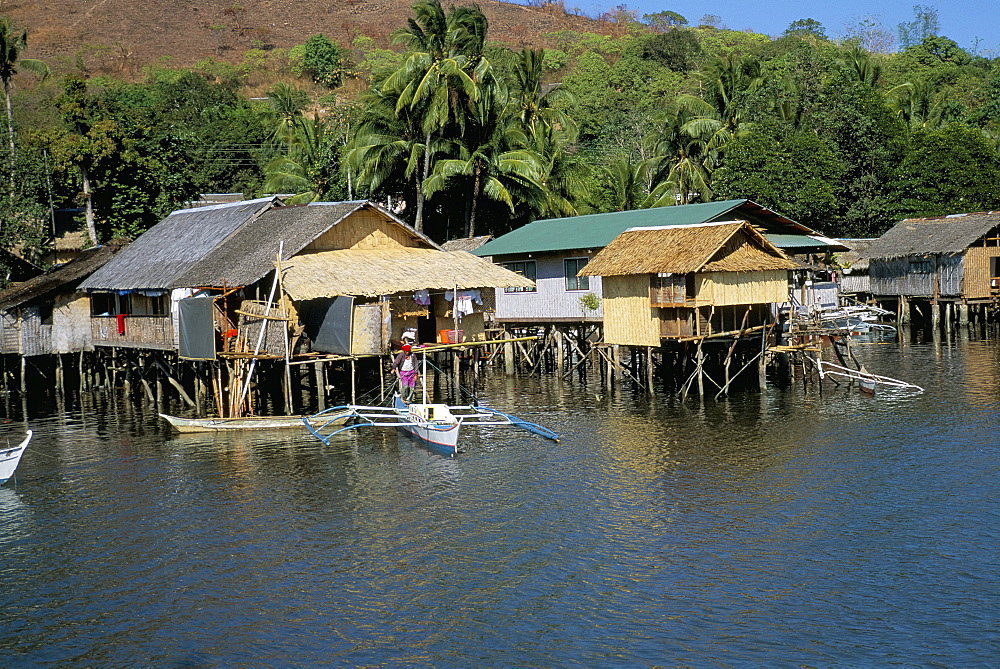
(422, 297)
(463, 305)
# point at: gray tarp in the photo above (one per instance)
(197, 328)
(334, 334)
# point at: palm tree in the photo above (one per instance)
(441, 76)
(682, 160)
(861, 66)
(493, 153)
(297, 170)
(915, 105)
(626, 180)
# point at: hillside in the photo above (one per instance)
(123, 35)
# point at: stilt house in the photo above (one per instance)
(552, 252)
(944, 259)
(48, 314)
(678, 282)
(352, 277)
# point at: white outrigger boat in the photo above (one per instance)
(437, 425)
(866, 380)
(10, 457)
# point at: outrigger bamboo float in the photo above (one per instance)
(867, 381)
(185, 425)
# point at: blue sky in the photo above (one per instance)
(961, 20)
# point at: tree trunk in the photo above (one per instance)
(475, 198)
(91, 226)
(419, 223)
(10, 130)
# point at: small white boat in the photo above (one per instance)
(10, 457)
(244, 423)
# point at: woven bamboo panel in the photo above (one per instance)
(727, 288)
(252, 320)
(363, 230)
(628, 317)
(366, 335)
(977, 281)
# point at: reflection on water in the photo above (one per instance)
(795, 526)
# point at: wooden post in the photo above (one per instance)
(354, 399)
(320, 389)
(963, 314)
(903, 307)
(649, 370)
(508, 358)
(559, 351)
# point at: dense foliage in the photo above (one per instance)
(463, 136)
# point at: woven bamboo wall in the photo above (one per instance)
(362, 230)
(10, 336)
(156, 332)
(71, 324)
(628, 317)
(977, 280)
(728, 288)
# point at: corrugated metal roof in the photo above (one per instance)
(922, 236)
(596, 231)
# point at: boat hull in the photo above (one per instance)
(10, 457)
(440, 437)
(185, 425)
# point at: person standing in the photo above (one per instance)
(405, 367)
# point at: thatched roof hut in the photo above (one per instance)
(468, 244)
(230, 244)
(941, 235)
(708, 247)
(951, 256)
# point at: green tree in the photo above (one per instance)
(441, 75)
(795, 173)
(664, 21)
(924, 24)
(806, 28)
(324, 60)
(953, 170)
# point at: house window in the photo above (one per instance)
(45, 313)
(525, 268)
(109, 304)
(995, 267)
(574, 282)
(921, 267)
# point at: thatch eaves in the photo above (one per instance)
(372, 273)
(925, 236)
(468, 244)
(712, 247)
(63, 277)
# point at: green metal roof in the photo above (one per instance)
(596, 231)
